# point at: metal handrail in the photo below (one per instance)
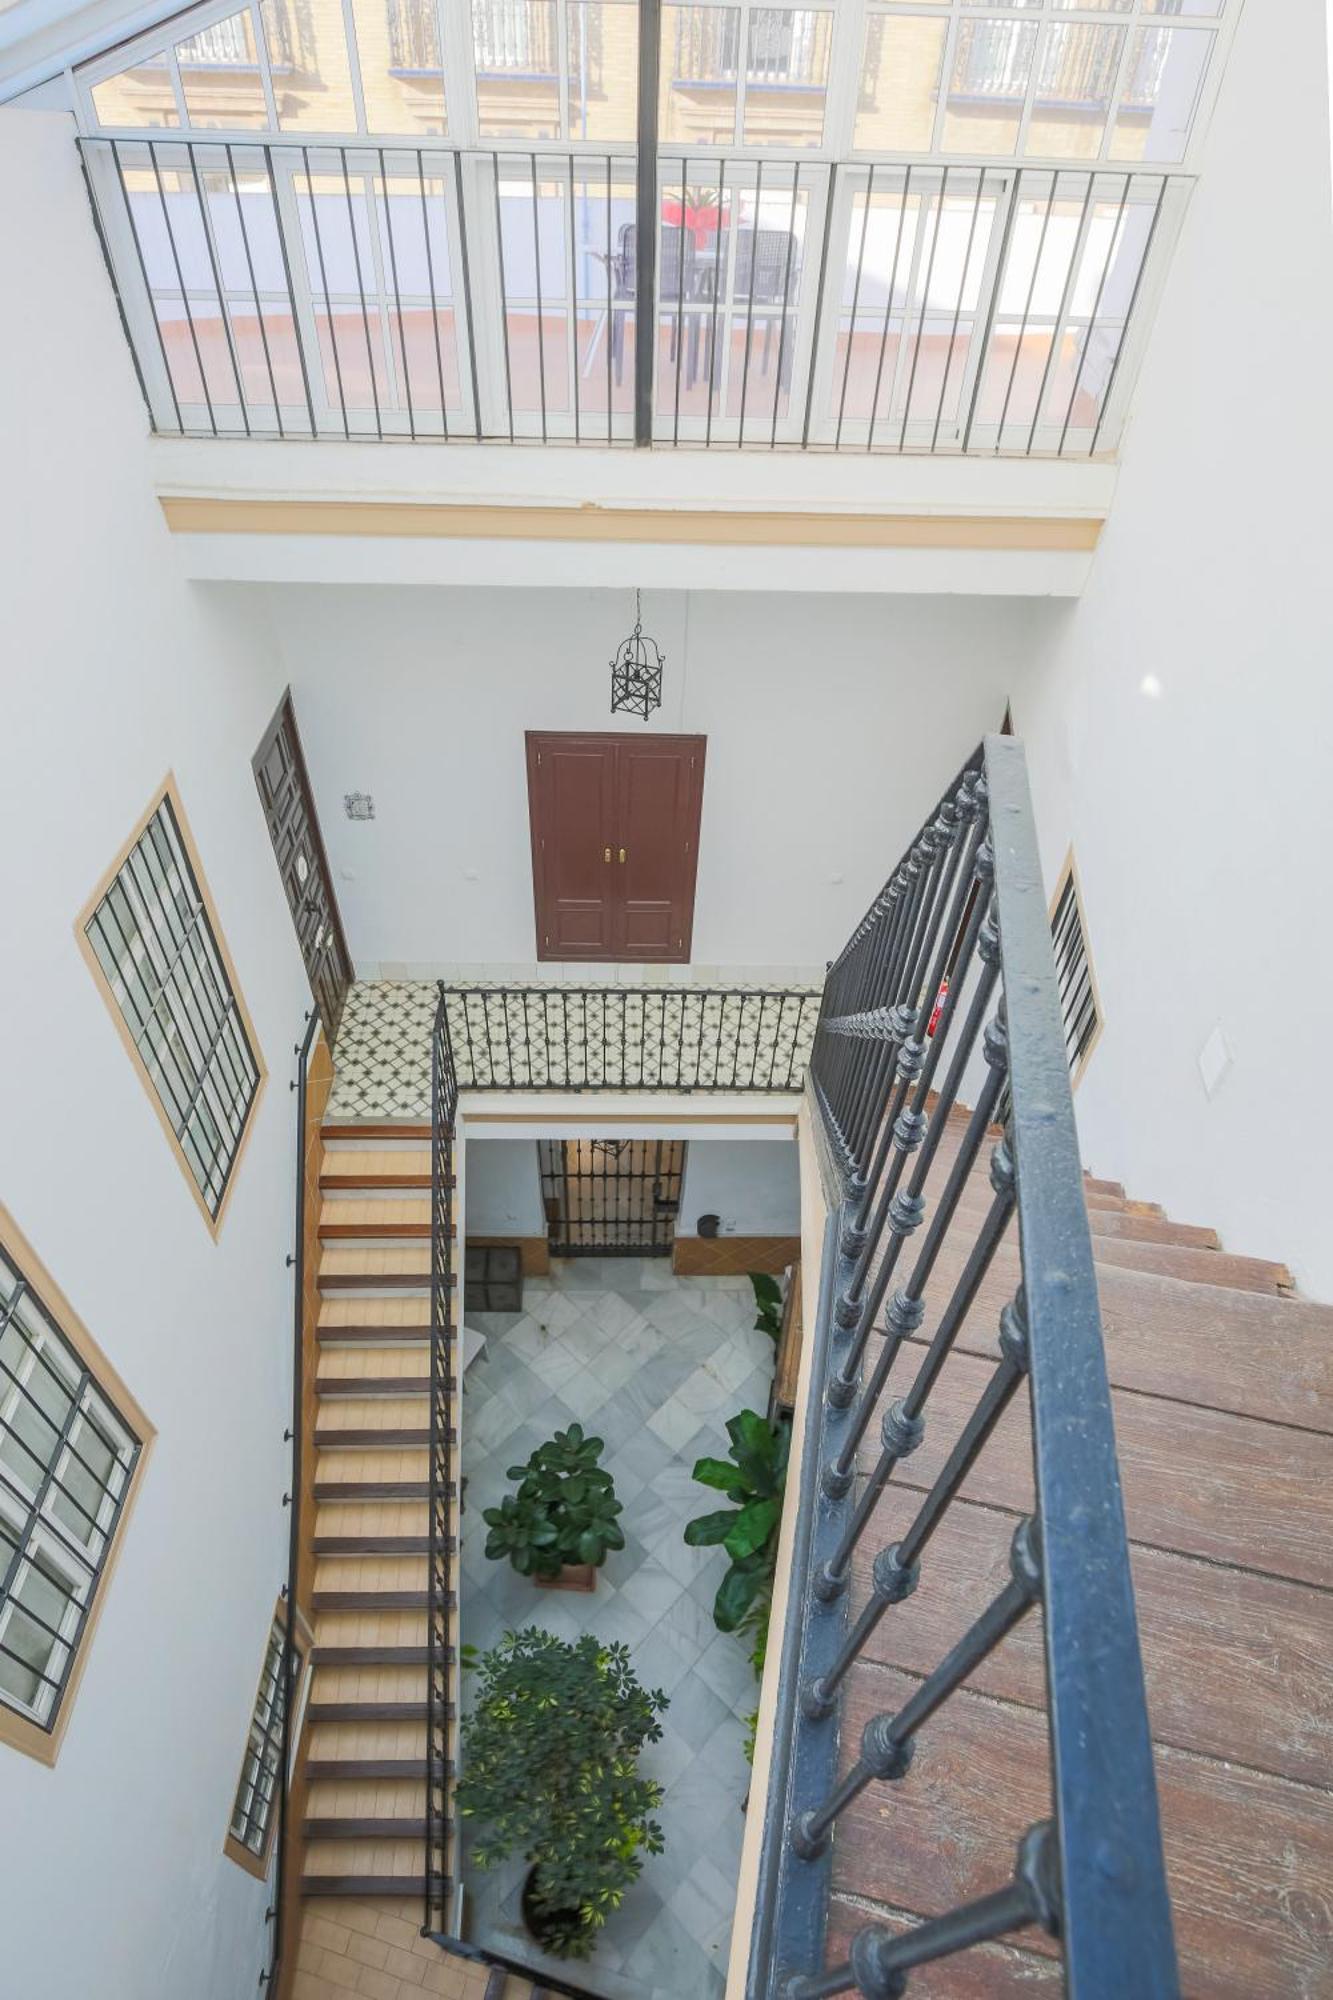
(445, 1363)
(950, 980)
(292, 1500)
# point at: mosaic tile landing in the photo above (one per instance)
(654, 1364)
(675, 1037)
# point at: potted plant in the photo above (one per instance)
(550, 1771)
(748, 1530)
(562, 1523)
(767, 1304)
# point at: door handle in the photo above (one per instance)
(622, 854)
(608, 854)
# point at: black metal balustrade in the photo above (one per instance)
(445, 1367)
(282, 289)
(948, 987)
(623, 1038)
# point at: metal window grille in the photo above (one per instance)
(1079, 1007)
(153, 940)
(252, 1813)
(66, 1461)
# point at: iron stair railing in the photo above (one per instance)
(445, 1364)
(948, 984)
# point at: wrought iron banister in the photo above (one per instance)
(948, 986)
(445, 1365)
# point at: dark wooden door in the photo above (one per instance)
(615, 844)
(289, 808)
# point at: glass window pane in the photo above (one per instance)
(307, 59)
(219, 72)
(786, 76)
(900, 82)
(1096, 6)
(140, 95)
(515, 46)
(991, 67)
(700, 58)
(1210, 7)
(1159, 93)
(1076, 73)
(402, 66)
(603, 69)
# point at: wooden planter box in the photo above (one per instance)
(574, 1576)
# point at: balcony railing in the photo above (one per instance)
(949, 983)
(391, 292)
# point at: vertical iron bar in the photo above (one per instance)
(680, 294)
(324, 284)
(749, 312)
(574, 307)
(1066, 291)
(719, 279)
(610, 308)
(537, 271)
(504, 294)
(180, 275)
(1129, 314)
(958, 309)
(925, 308)
(254, 289)
(217, 286)
(157, 324)
(430, 280)
(997, 285)
(888, 307)
(1092, 316)
(287, 275)
(786, 294)
(398, 299)
(819, 300)
(361, 288)
(856, 299)
(1027, 307)
(465, 275)
(645, 277)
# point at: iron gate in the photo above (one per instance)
(611, 1197)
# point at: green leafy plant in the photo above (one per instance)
(565, 1509)
(768, 1303)
(748, 1530)
(550, 1771)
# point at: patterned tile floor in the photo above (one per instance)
(655, 1364)
(671, 1034)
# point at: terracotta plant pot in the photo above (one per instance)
(574, 1576)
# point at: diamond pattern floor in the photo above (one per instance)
(655, 1364)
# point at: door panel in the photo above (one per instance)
(615, 836)
(289, 808)
(571, 795)
(658, 789)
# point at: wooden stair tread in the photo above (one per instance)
(373, 1656)
(381, 1545)
(375, 1489)
(374, 1600)
(377, 1128)
(330, 1387)
(368, 1711)
(351, 1769)
(1204, 1482)
(380, 1828)
(1237, 1665)
(1202, 1267)
(1223, 1827)
(369, 1885)
(399, 1316)
(1257, 1355)
(404, 1436)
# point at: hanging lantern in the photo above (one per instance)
(636, 671)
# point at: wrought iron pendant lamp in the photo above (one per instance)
(636, 670)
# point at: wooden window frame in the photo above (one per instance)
(235, 1850)
(21, 1732)
(1069, 875)
(169, 791)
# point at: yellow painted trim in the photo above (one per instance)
(168, 789)
(19, 1731)
(463, 521)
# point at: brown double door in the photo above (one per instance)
(615, 844)
(289, 808)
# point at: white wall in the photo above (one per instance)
(113, 1879)
(753, 1184)
(504, 1196)
(1200, 813)
(832, 726)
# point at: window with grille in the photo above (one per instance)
(252, 1814)
(1080, 1007)
(154, 941)
(69, 1448)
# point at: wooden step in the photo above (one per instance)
(403, 1319)
(373, 1489)
(374, 1600)
(376, 1168)
(1102, 1222)
(388, 1267)
(335, 1438)
(1094, 1186)
(369, 1885)
(362, 1332)
(370, 1129)
(330, 1387)
(373, 1656)
(344, 1217)
(375, 1545)
(411, 1361)
(1201, 1267)
(368, 1711)
(364, 1829)
(352, 1768)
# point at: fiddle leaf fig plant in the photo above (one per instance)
(767, 1303)
(549, 1759)
(565, 1509)
(753, 1480)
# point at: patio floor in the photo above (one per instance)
(655, 1364)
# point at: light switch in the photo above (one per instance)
(1214, 1060)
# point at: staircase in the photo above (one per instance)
(1222, 1387)
(366, 1803)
